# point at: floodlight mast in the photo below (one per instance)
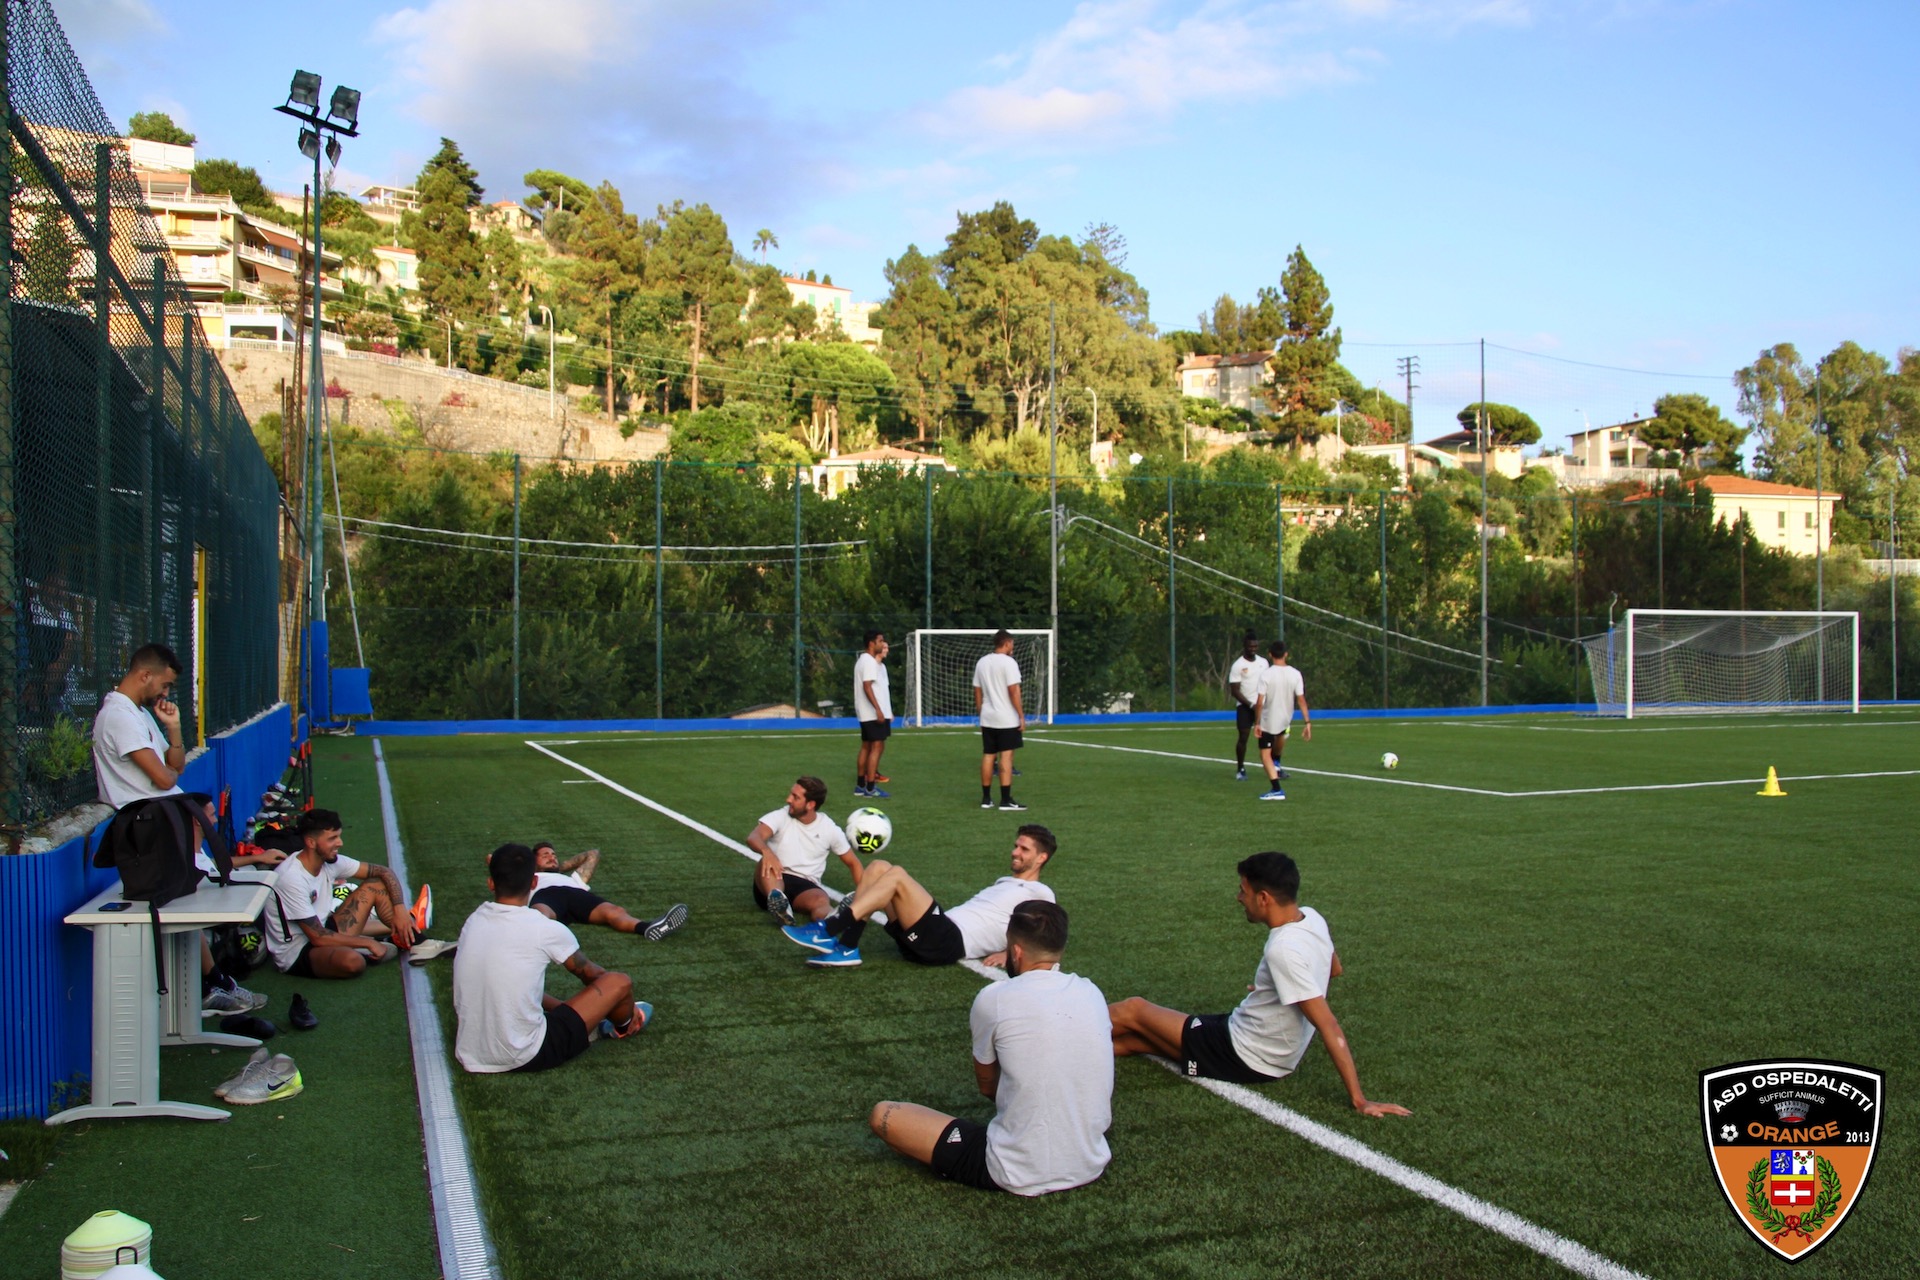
(320, 135)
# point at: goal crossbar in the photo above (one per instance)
(1668, 661)
(939, 678)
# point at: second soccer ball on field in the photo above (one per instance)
(869, 830)
(1389, 761)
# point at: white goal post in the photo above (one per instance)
(939, 683)
(1675, 661)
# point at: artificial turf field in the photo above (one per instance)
(1539, 977)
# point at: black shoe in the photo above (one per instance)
(301, 1015)
(246, 1024)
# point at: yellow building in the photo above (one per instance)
(1782, 515)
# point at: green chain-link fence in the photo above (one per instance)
(135, 505)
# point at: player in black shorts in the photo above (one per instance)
(561, 893)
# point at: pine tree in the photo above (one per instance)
(448, 159)
(453, 277)
(1304, 359)
(695, 256)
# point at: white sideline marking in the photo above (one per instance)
(1501, 795)
(1575, 1257)
(1718, 725)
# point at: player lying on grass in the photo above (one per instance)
(1267, 1036)
(1040, 1051)
(924, 932)
(793, 843)
(560, 893)
(507, 1021)
(307, 935)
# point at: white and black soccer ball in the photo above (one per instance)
(1388, 760)
(869, 830)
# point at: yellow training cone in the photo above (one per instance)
(1773, 785)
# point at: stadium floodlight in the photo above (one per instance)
(939, 681)
(1679, 661)
(305, 91)
(345, 107)
(309, 144)
(333, 152)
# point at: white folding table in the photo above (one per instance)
(131, 1020)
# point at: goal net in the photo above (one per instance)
(1665, 661)
(939, 683)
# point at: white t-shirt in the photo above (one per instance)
(552, 879)
(982, 919)
(867, 667)
(802, 847)
(993, 676)
(499, 975)
(1245, 676)
(119, 730)
(1050, 1034)
(1269, 1032)
(1280, 684)
(301, 895)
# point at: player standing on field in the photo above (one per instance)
(1243, 685)
(873, 708)
(1003, 720)
(1280, 688)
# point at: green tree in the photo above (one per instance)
(1306, 354)
(51, 256)
(228, 177)
(158, 126)
(981, 241)
(558, 198)
(1693, 426)
(1505, 424)
(695, 256)
(764, 240)
(341, 212)
(453, 277)
(449, 160)
(918, 320)
(1776, 398)
(606, 271)
(828, 380)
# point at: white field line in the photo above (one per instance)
(1501, 795)
(1575, 1257)
(1717, 726)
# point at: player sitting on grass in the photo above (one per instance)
(1040, 1051)
(560, 893)
(1267, 1036)
(507, 1021)
(926, 934)
(307, 935)
(793, 843)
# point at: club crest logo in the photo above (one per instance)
(1791, 1143)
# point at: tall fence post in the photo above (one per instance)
(659, 590)
(1660, 539)
(1893, 590)
(516, 586)
(10, 798)
(1576, 595)
(1173, 623)
(798, 648)
(1280, 562)
(1384, 652)
(102, 239)
(150, 454)
(926, 474)
(183, 490)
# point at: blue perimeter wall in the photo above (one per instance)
(46, 967)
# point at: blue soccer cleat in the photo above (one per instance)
(811, 936)
(838, 958)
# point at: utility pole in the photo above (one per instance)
(1408, 366)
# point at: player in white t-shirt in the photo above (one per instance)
(132, 760)
(1267, 1035)
(560, 893)
(925, 932)
(1041, 1051)
(793, 843)
(506, 1020)
(873, 708)
(1280, 688)
(1003, 719)
(307, 935)
(1243, 686)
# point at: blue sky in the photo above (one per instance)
(1657, 184)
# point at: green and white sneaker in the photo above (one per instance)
(254, 1066)
(272, 1080)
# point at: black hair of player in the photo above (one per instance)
(1274, 873)
(155, 657)
(1250, 638)
(538, 845)
(1278, 649)
(314, 821)
(1002, 636)
(812, 788)
(1043, 839)
(1039, 927)
(511, 869)
(870, 637)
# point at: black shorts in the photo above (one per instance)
(961, 1155)
(790, 884)
(994, 741)
(568, 904)
(933, 939)
(302, 966)
(875, 730)
(566, 1039)
(1273, 741)
(1242, 719)
(1206, 1049)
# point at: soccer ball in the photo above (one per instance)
(869, 830)
(1389, 761)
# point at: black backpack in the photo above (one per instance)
(151, 844)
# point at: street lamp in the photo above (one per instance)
(342, 118)
(549, 315)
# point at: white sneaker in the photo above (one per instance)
(272, 1080)
(220, 1002)
(427, 949)
(254, 1065)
